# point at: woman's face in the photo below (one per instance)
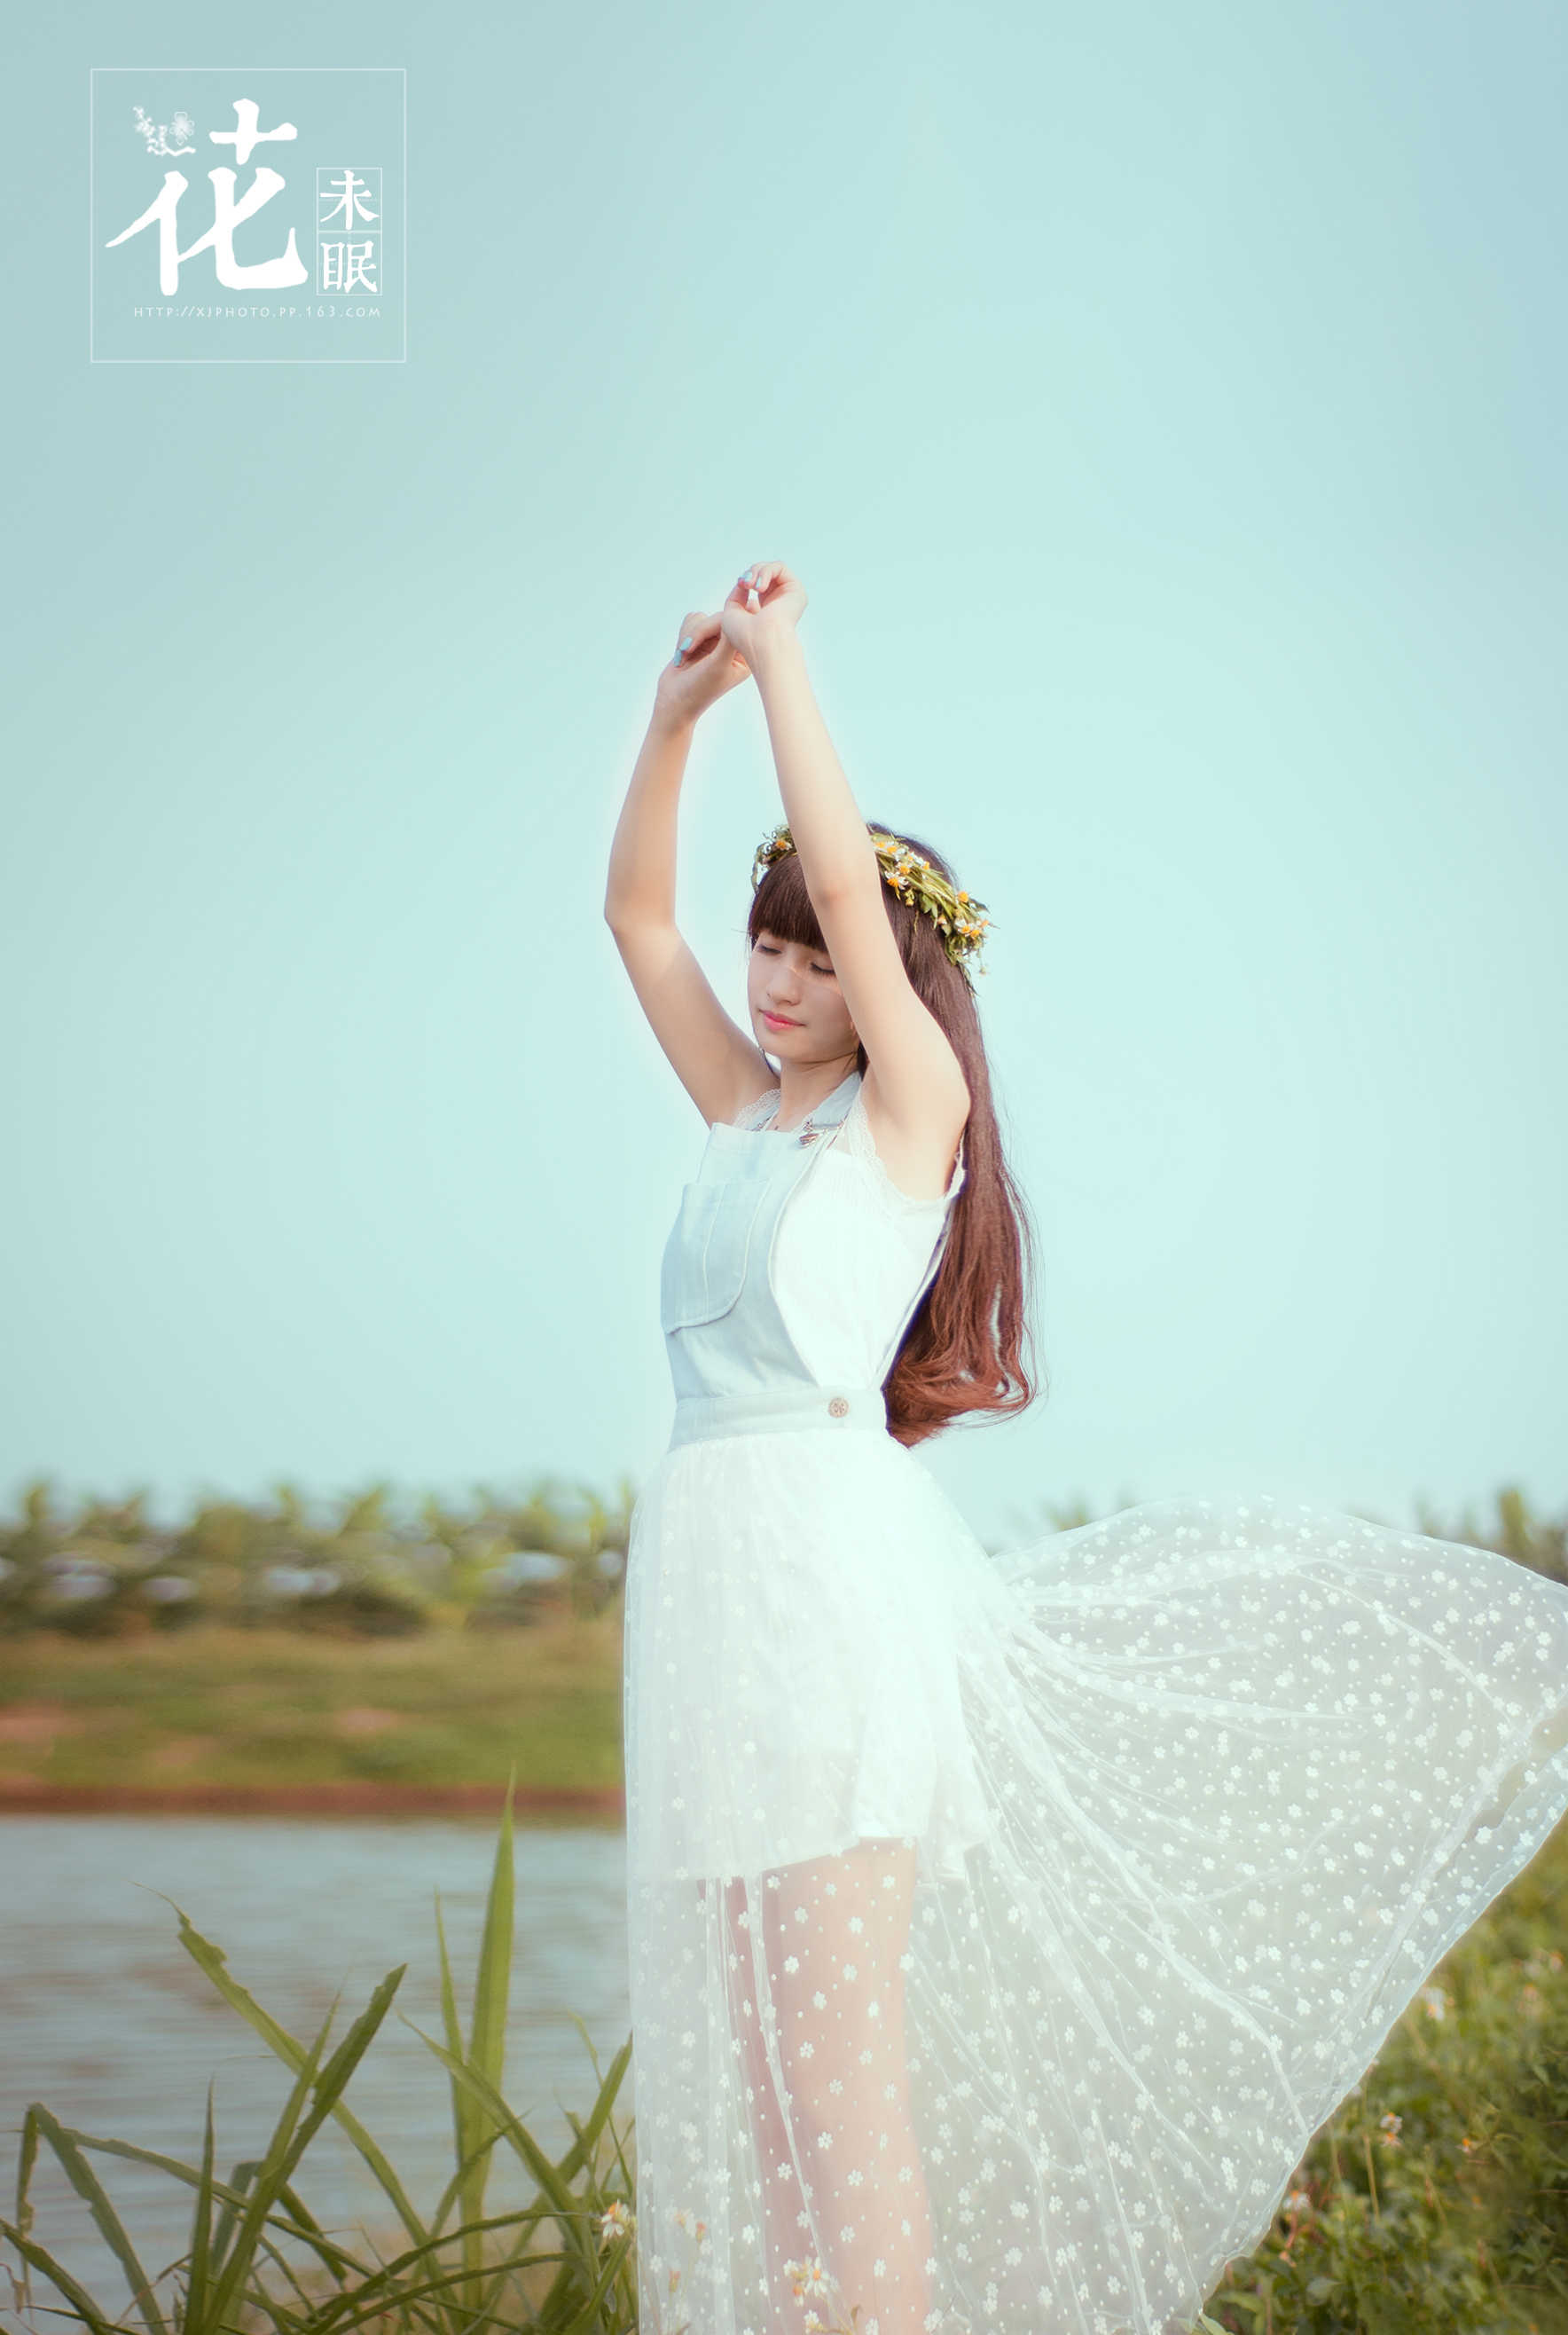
(797, 1010)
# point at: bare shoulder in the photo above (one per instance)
(760, 1102)
(920, 1157)
(722, 1098)
(743, 1080)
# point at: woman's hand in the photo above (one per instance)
(766, 604)
(703, 667)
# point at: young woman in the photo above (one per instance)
(1000, 1930)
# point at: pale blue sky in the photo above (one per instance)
(1163, 413)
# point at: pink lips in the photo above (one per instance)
(778, 1020)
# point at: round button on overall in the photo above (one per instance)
(837, 1407)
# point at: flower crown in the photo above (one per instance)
(915, 881)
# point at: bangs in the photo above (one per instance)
(781, 905)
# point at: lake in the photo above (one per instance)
(106, 2020)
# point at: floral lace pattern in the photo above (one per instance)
(1003, 1929)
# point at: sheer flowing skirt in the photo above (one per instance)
(1001, 1928)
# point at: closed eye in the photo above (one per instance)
(766, 951)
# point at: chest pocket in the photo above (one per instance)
(704, 1261)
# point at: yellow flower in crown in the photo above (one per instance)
(960, 918)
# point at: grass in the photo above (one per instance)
(279, 1706)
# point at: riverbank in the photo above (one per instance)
(25, 1797)
(285, 1721)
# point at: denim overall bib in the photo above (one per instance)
(735, 1368)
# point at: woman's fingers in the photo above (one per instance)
(741, 595)
(696, 632)
(756, 579)
(745, 605)
(706, 662)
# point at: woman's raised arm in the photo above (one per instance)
(914, 1083)
(718, 1063)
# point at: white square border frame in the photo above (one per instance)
(93, 72)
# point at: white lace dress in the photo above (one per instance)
(1001, 1928)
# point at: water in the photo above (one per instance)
(106, 2020)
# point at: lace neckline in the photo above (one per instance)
(853, 1140)
(769, 1126)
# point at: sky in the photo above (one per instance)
(1163, 413)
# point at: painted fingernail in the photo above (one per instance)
(686, 643)
(676, 658)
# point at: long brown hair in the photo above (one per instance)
(964, 1349)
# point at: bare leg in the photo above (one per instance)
(834, 1930)
(786, 2224)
